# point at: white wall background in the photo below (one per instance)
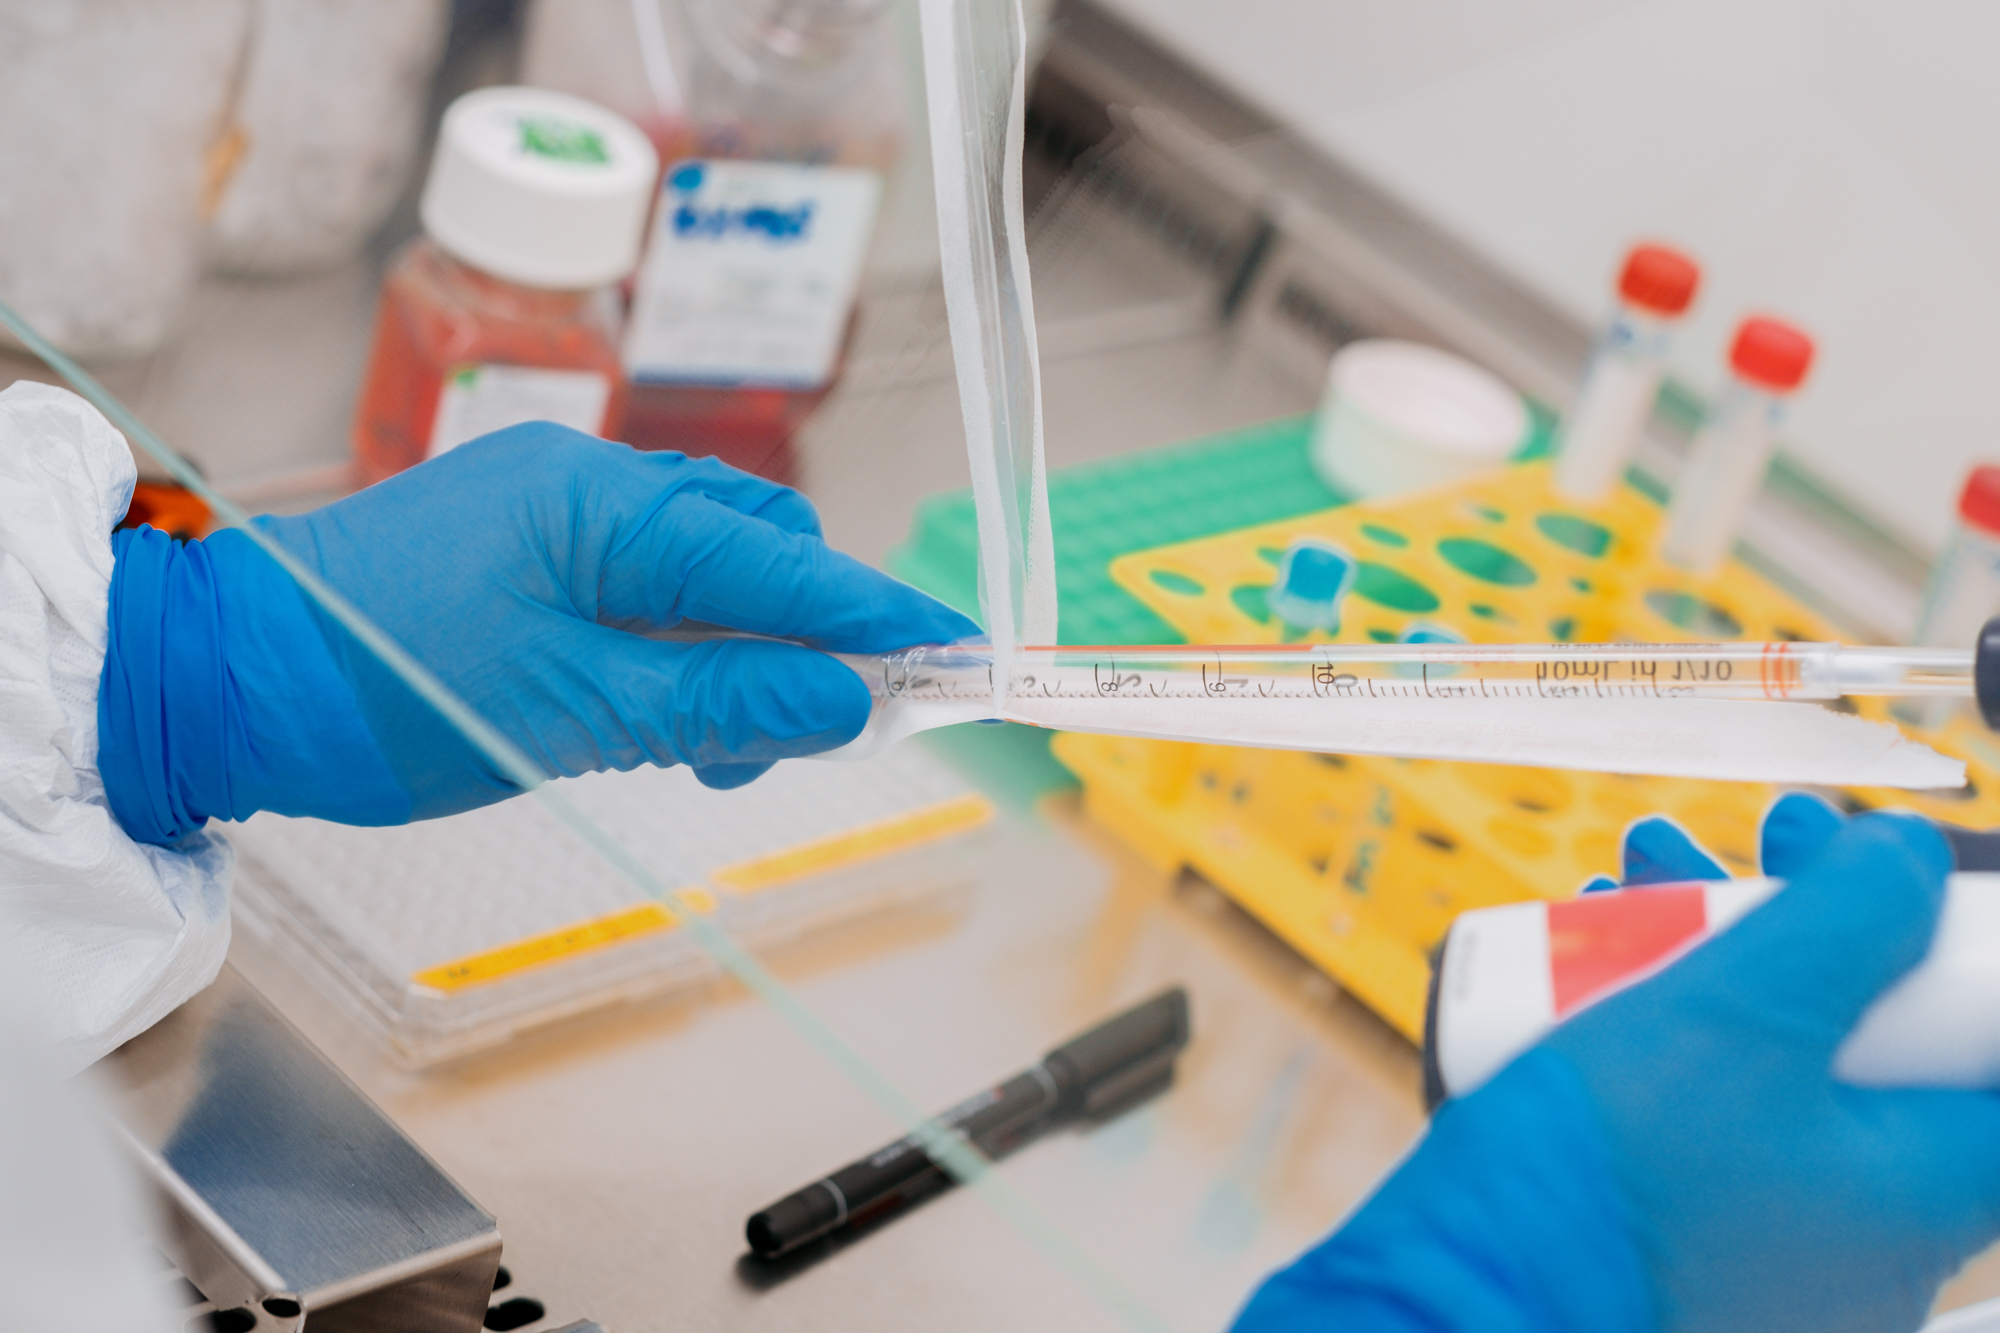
(1833, 161)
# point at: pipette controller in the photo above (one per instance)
(1507, 975)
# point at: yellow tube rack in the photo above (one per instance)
(1361, 863)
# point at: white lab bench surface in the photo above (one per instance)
(622, 1153)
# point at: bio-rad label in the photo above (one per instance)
(750, 274)
(481, 399)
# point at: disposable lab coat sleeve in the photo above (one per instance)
(109, 934)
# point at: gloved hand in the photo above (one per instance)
(1678, 1156)
(515, 568)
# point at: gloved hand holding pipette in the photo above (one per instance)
(516, 568)
(1681, 1156)
(153, 685)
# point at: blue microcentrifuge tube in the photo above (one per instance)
(1313, 579)
(1425, 631)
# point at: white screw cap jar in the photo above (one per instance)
(1400, 416)
(539, 188)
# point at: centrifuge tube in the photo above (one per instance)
(1727, 462)
(1601, 430)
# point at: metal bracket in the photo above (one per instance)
(283, 1188)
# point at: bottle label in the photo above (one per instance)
(750, 274)
(481, 399)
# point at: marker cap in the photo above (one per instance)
(1110, 1063)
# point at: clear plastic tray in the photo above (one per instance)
(452, 935)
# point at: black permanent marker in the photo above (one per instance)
(1099, 1073)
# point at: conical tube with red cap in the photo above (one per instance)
(1964, 588)
(1602, 428)
(1726, 465)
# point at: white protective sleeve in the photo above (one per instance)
(110, 935)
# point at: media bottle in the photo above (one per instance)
(744, 307)
(501, 312)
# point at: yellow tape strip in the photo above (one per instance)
(861, 844)
(763, 872)
(563, 942)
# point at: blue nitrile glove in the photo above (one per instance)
(515, 568)
(1656, 850)
(1679, 1155)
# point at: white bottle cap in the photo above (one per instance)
(539, 188)
(1400, 416)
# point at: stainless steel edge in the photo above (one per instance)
(280, 1182)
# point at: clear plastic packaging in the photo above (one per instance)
(976, 80)
(453, 935)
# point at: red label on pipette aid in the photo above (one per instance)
(1602, 940)
(1509, 974)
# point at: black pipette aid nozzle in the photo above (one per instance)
(1986, 673)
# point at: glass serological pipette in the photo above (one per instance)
(1712, 710)
(958, 673)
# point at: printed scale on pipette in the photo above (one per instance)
(1718, 710)
(1338, 672)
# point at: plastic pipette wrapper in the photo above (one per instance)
(1507, 975)
(1728, 710)
(975, 77)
